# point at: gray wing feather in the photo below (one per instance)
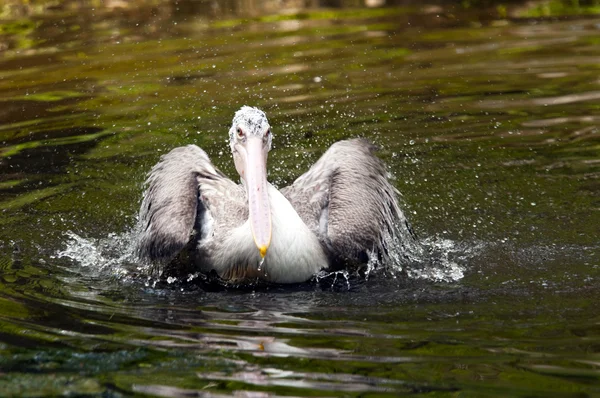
(171, 202)
(347, 200)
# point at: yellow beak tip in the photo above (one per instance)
(263, 251)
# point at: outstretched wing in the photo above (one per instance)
(172, 210)
(347, 200)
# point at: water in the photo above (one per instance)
(488, 119)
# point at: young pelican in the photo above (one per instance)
(337, 214)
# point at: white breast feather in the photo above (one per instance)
(294, 254)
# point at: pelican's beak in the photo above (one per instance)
(258, 194)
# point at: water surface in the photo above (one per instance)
(488, 119)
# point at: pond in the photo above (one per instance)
(487, 116)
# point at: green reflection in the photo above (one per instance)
(554, 8)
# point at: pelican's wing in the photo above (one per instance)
(347, 200)
(172, 211)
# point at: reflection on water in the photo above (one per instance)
(487, 119)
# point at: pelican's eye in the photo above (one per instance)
(240, 133)
(266, 136)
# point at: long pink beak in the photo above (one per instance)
(258, 195)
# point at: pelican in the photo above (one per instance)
(337, 214)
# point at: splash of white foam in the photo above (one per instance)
(446, 260)
(434, 258)
(113, 254)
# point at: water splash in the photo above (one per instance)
(434, 258)
(332, 277)
(260, 264)
(113, 255)
(444, 260)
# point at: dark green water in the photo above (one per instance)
(488, 118)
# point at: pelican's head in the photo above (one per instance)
(250, 141)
